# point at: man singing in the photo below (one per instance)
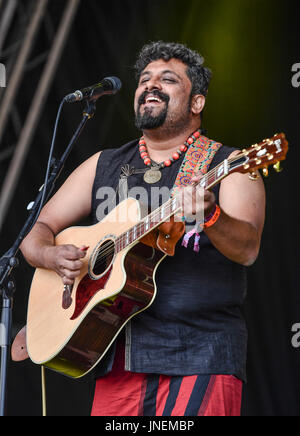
(186, 354)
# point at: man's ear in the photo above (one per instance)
(198, 103)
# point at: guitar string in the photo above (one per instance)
(122, 239)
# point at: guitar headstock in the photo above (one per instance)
(260, 156)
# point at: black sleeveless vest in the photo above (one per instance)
(195, 325)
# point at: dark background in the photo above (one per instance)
(251, 46)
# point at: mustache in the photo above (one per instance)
(156, 93)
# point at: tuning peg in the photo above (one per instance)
(277, 167)
(253, 176)
(266, 172)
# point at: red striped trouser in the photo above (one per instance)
(123, 393)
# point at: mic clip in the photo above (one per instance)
(75, 96)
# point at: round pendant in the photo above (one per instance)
(152, 176)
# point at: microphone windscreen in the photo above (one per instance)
(116, 82)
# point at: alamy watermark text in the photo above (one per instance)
(296, 76)
(2, 76)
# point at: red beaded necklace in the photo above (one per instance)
(176, 155)
(153, 175)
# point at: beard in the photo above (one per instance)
(148, 121)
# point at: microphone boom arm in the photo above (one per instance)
(9, 262)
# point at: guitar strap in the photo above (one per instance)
(197, 160)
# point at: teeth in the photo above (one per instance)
(150, 99)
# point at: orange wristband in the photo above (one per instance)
(211, 221)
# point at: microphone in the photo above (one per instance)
(108, 86)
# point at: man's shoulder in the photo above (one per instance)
(121, 149)
(110, 156)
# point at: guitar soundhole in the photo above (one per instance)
(102, 259)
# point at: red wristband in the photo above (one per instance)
(213, 218)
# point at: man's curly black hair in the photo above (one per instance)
(199, 75)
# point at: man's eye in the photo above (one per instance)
(166, 79)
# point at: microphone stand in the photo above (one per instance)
(9, 261)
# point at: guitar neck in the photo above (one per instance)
(173, 206)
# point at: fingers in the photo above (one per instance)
(196, 202)
(71, 252)
(197, 178)
(68, 276)
(193, 202)
(70, 265)
(67, 281)
(69, 262)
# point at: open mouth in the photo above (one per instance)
(152, 100)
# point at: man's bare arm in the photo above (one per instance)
(237, 233)
(68, 206)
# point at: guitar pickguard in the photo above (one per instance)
(86, 290)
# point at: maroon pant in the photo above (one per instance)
(123, 393)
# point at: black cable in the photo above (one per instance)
(48, 165)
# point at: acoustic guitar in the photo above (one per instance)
(69, 330)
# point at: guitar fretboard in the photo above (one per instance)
(149, 223)
(168, 209)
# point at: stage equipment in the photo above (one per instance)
(107, 86)
(9, 261)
